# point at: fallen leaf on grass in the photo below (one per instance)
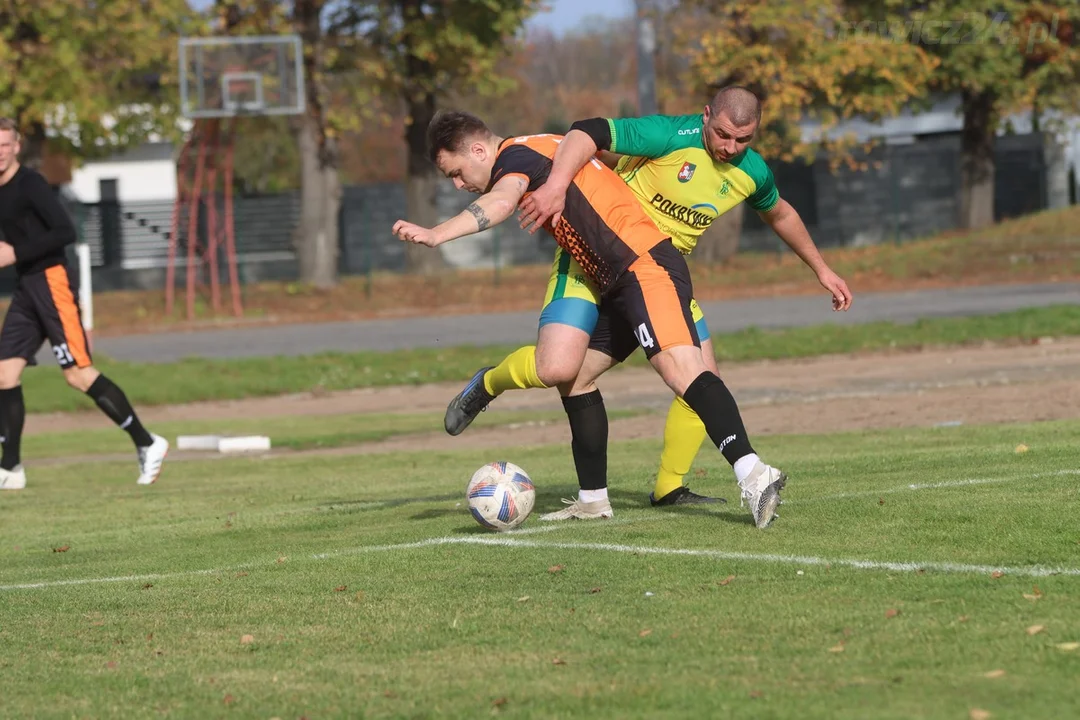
(63, 548)
(1022, 448)
(241, 574)
(390, 694)
(523, 598)
(594, 590)
(147, 586)
(756, 694)
(558, 661)
(979, 714)
(1035, 629)
(727, 580)
(1035, 594)
(499, 702)
(837, 648)
(111, 664)
(556, 568)
(1069, 646)
(700, 472)
(891, 613)
(644, 633)
(247, 639)
(282, 559)
(881, 501)
(340, 588)
(228, 700)
(997, 574)
(962, 618)
(994, 674)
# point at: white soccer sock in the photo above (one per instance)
(590, 496)
(744, 466)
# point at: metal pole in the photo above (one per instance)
(646, 47)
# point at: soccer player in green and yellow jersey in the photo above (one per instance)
(686, 171)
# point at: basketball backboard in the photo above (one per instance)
(228, 76)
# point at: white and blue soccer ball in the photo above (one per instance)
(501, 496)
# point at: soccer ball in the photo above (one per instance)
(500, 496)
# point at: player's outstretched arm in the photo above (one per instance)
(490, 209)
(785, 222)
(576, 148)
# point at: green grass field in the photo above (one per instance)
(201, 379)
(359, 586)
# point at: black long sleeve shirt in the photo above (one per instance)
(33, 222)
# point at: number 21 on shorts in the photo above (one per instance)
(643, 336)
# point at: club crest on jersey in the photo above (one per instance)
(724, 188)
(687, 172)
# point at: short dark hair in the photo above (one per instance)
(741, 105)
(450, 129)
(9, 124)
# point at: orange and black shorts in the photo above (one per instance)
(43, 306)
(649, 306)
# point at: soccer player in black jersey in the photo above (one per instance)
(35, 230)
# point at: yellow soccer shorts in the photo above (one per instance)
(572, 298)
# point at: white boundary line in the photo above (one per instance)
(930, 486)
(510, 539)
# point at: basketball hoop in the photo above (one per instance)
(221, 80)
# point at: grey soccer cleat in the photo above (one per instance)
(761, 491)
(468, 403)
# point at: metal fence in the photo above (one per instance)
(910, 191)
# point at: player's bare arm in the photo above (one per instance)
(547, 202)
(786, 223)
(486, 211)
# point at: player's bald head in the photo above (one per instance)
(741, 106)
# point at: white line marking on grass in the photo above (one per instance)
(946, 567)
(120, 578)
(914, 487)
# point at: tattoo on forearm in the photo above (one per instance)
(482, 220)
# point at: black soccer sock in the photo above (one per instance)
(589, 430)
(709, 397)
(114, 403)
(12, 418)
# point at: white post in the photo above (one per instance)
(86, 292)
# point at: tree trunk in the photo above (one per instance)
(317, 239)
(421, 183)
(977, 161)
(721, 240)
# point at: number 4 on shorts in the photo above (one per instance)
(643, 336)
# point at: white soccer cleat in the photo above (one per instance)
(577, 510)
(761, 491)
(151, 459)
(14, 479)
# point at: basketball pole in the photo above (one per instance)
(230, 234)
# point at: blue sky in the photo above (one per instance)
(564, 14)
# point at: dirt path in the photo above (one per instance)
(882, 390)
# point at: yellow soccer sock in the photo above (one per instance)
(683, 434)
(516, 372)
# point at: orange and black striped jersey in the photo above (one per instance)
(603, 226)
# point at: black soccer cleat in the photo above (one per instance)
(683, 496)
(468, 403)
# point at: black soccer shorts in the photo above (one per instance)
(43, 306)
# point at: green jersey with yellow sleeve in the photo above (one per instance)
(682, 188)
